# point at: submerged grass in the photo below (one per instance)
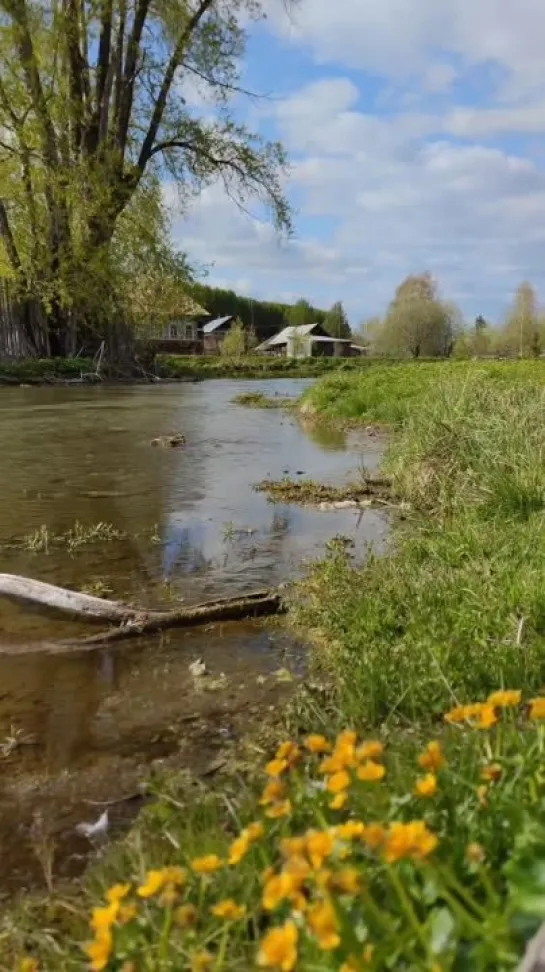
(309, 492)
(258, 400)
(419, 844)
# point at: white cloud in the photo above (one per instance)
(398, 186)
(395, 37)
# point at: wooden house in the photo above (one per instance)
(306, 341)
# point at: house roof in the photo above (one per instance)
(212, 326)
(283, 336)
(329, 337)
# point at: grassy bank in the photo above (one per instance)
(182, 368)
(418, 844)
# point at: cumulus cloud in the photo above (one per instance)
(406, 179)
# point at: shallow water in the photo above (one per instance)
(86, 724)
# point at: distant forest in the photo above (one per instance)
(265, 318)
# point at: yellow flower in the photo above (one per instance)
(426, 786)
(338, 782)
(462, 713)
(229, 910)
(155, 882)
(279, 948)
(537, 708)
(175, 875)
(505, 698)
(238, 849)
(186, 916)
(290, 752)
(207, 864)
(374, 835)
(98, 952)
(368, 953)
(322, 922)
(350, 830)
(290, 846)
(277, 889)
(28, 964)
(482, 795)
(274, 790)
(338, 801)
(117, 892)
(317, 744)
(432, 758)
(277, 810)
(475, 853)
(276, 767)
(487, 717)
(491, 773)
(126, 913)
(347, 881)
(372, 749)
(370, 772)
(201, 961)
(102, 919)
(409, 840)
(254, 830)
(319, 846)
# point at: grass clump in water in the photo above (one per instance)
(308, 492)
(258, 400)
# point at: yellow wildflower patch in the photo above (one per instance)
(537, 708)
(409, 840)
(426, 786)
(207, 864)
(505, 698)
(277, 810)
(370, 772)
(229, 910)
(278, 949)
(432, 758)
(339, 781)
(276, 767)
(317, 744)
(322, 922)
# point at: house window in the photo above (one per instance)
(189, 331)
(173, 331)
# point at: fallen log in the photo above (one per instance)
(18, 588)
(133, 622)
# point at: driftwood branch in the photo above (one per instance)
(131, 621)
(534, 958)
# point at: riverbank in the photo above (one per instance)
(170, 368)
(436, 858)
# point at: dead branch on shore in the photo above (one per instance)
(131, 621)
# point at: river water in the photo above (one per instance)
(186, 526)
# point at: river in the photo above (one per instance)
(186, 525)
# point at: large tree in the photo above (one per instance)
(92, 112)
(418, 322)
(521, 332)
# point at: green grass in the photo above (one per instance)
(454, 611)
(174, 367)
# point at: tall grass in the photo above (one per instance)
(459, 606)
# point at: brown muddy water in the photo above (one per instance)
(78, 730)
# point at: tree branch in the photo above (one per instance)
(129, 73)
(7, 236)
(173, 65)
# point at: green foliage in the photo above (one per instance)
(336, 322)
(87, 130)
(233, 344)
(521, 333)
(418, 324)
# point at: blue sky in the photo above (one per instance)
(415, 134)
